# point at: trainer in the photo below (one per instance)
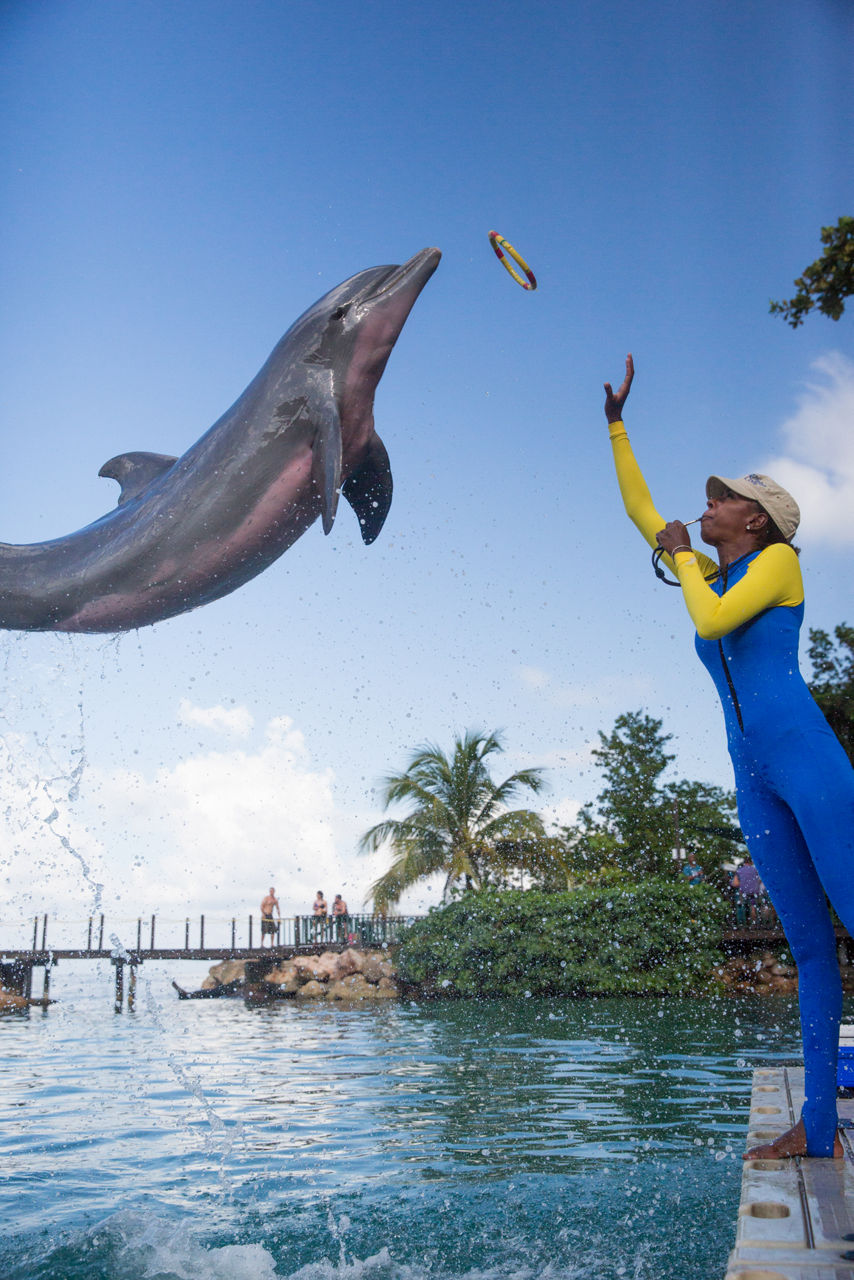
(794, 782)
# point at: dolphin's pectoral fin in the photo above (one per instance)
(368, 490)
(326, 461)
(135, 472)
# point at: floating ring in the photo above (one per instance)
(502, 249)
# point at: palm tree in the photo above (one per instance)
(458, 818)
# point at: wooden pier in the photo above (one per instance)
(294, 935)
(796, 1217)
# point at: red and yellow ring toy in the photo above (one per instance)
(503, 251)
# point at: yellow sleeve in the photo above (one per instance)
(637, 500)
(773, 578)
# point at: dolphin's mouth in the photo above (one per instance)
(414, 273)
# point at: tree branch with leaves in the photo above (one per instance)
(827, 282)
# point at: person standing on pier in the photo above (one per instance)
(319, 911)
(794, 782)
(269, 925)
(339, 917)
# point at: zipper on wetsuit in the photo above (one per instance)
(725, 665)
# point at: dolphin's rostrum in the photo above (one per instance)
(191, 529)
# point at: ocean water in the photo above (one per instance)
(211, 1140)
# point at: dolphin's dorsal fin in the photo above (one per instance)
(368, 490)
(135, 472)
(326, 460)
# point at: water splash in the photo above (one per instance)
(43, 750)
(221, 1139)
(144, 1247)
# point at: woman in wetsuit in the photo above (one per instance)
(794, 782)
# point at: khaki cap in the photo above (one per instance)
(776, 501)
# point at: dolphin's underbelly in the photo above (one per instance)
(135, 567)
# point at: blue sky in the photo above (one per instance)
(181, 180)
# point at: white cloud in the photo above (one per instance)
(817, 464)
(534, 677)
(207, 833)
(239, 721)
(220, 826)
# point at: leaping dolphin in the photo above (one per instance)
(191, 529)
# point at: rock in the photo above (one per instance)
(320, 968)
(311, 990)
(328, 966)
(353, 987)
(224, 972)
(376, 967)
(349, 962)
(357, 988)
(11, 1000)
(285, 978)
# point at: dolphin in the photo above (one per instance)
(191, 529)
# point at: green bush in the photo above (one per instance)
(652, 937)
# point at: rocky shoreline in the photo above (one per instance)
(765, 974)
(350, 976)
(355, 976)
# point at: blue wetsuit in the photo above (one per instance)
(794, 782)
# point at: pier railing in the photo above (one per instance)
(191, 935)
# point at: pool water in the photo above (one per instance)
(592, 1138)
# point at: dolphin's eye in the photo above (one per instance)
(340, 312)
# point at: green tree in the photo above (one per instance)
(584, 853)
(705, 823)
(832, 684)
(458, 824)
(827, 282)
(633, 757)
(638, 820)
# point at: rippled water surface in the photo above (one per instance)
(210, 1139)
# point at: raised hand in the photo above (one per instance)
(614, 401)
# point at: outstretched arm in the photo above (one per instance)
(637, 499)
(614, 403)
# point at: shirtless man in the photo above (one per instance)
(339, 916)
(269, 926)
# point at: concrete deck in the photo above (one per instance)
(794, 1214)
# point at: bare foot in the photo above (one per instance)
(791, 1143)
